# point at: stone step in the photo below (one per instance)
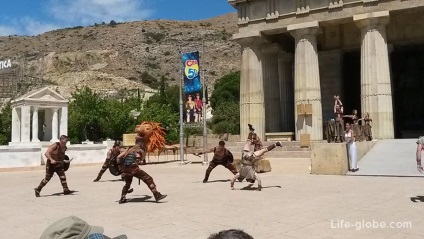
(284, 148)
(281, 154)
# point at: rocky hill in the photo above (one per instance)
(114, 56)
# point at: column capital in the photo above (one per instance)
(372, 19)
(251, 41)
(235, 2)
(55, 110)
(35, 109)
(303, 29)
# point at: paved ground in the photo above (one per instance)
(395, 157)
(292, 205)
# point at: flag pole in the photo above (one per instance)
(181, 118)
(205, 130)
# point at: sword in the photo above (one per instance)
(68, 161)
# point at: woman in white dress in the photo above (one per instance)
(351, 147)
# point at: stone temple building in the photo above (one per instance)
(294, 52)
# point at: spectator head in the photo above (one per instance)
(231, 234)
(74, 227)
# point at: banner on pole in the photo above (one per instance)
(192, 88)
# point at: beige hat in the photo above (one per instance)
(75, 228)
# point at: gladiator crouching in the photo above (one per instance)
(222, 156)
(111, 155)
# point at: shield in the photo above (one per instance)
(66, 163)
(229, 157)
(114, 167)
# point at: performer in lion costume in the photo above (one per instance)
(152, 134)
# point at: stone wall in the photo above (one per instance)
(332, 159)
(14, 157)
(196, 141)
(33, 155)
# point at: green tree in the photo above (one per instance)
(170, 96)
(226, 89)
(226, 118)
(6, 124)
(225, 104)
(85, 113)
(118, 121)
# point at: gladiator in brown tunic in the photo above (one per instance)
(111, 155)
(222, 156)
(254, 139)
(129, 161)
(55, 164)
(367, 128)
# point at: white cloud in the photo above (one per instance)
(34, 27)
(70, 13)
(27, 26)
(7, 30)
(88, 12)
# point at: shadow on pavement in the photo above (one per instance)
(142, 199)
(249, 187)
(60, 194)
(219, 181)
(417, 198)
(113, 180)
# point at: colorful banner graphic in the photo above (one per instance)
(192, 88)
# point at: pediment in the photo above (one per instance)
(43, 94)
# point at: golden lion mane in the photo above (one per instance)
(155, 140)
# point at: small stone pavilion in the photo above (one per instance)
(40, 115)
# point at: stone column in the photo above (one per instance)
(307, 88)
(285, 72)
(244, 93)
(252, 108)
(64, 120)
(376, 90)
(271, 87)
(16, 125)
(25, 121)
(55, 125)
(35, 125)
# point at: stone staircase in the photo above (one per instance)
(289, 150)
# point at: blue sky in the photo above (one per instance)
(32, 17)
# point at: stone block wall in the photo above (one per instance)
(14, 157)
(332, 158)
